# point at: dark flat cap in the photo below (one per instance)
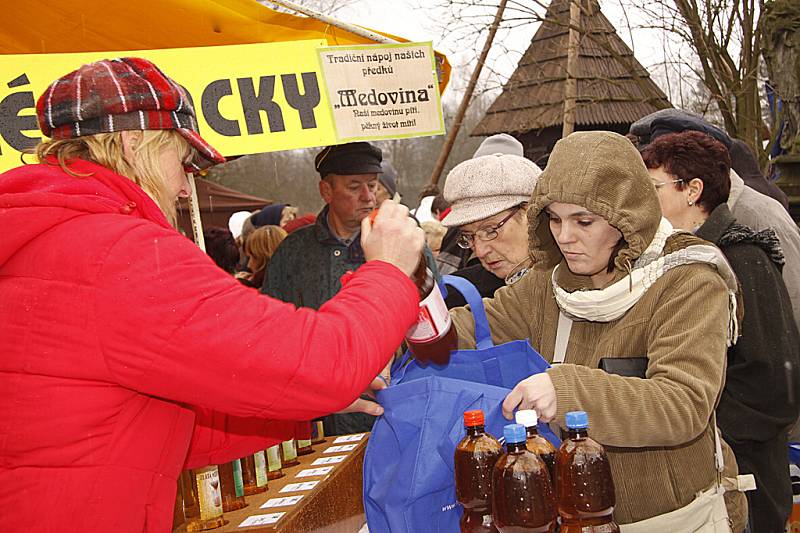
(348, 159)
(676, 124)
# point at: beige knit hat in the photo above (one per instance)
(484, 186)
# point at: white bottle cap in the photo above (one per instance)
(527, 417)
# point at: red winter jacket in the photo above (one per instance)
(122, 345)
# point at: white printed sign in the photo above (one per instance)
(297, 487)
(282, 502)
(261, 519)
(342, 448)
(329, 460)
(349, 438)
(311, 472)
(379, 92)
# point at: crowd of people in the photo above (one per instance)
(666, 247)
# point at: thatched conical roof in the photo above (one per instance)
(612, 87)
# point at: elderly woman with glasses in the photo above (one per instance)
(690, 171)
(489, 194)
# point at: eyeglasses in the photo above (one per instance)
(489, 233)
(659, 184)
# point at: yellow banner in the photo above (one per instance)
(249, 98)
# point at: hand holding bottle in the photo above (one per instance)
(393, 237)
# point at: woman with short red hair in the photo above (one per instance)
(690, 171)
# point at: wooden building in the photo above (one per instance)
(613, 89)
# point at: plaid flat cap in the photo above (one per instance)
(128, 93)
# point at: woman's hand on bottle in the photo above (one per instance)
(536, 392)
(394, 237)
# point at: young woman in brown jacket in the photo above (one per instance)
(623, 284)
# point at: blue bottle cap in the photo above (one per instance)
(514, 433)
(577, 420)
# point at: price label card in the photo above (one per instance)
(342, 448)
(297, 487)
(349, 438)
(261, 519)
(329, 460)
(282, 502)
(311, 472)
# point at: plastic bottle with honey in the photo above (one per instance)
(535, 442)
(583, 479)
(231, 486)
(522, 494)
(474, 459)
(433, 336)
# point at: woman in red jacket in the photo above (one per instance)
(123, 344)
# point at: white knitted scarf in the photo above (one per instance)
(606, 305)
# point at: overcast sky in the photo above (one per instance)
(413, 20)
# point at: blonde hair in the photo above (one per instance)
(262, 243)
(106, 149)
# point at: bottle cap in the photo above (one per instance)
(514, 433)
(526, 417)
(577, 420)
(473, 418)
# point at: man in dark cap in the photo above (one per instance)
(307, 266)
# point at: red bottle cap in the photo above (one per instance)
(473, 418)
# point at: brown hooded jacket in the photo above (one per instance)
(656, 430)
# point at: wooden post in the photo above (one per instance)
(194, 216)
(571, 82)
(462, 108)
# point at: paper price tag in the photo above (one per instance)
(329, 460)
(311, 472)
(297, 487)
(349, 438)
(342, 448)
(282, 502)
(261, 519)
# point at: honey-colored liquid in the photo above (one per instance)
(274, 465)
(205, 510)
(474, 459)
(249, 476)
(289, 453)
(231, 486)
(523, 499)
(178, 518)
(436, 351)
(585, 487)
(544, 449)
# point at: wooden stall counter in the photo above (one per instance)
(321, 494)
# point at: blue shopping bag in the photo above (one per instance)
(503, 366)
(409, 485)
